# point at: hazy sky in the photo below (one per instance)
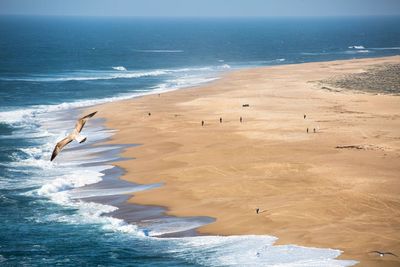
(201, 7)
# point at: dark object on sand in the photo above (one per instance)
(350, 147)
(245, 105)
(314, 130)
(220, 120)
(257, 210)
(202, 123)
(383, 253)
(149, 113)
(241, 119)
(75, 135)
(307, 130)
(305, 116)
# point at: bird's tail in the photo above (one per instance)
(80, 138)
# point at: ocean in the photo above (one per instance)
(72, 212)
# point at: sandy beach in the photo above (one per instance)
(337, 187)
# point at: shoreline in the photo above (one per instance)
(227, 170)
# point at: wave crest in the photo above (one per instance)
(120, 68)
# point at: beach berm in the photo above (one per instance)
(337, 186)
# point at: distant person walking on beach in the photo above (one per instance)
(305, 116)
(314, 130)
(257, 210)
(220, 120)
(241, 120)
(202, 123)
(307, 130)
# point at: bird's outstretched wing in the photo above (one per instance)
(390, 253)
(60, 145)
(81, 122)
(375, 251)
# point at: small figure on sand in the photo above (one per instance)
(257, 210)
(307, 130)
(305, 116)
(202, 123)
(241, 119)
(314, 130)
(149, 113)
(220, 120)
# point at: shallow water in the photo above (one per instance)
(69, 212)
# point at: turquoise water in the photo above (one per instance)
(50, 67)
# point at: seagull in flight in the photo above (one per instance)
(74, 135)
(383, 253)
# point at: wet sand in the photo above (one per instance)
(338, 187)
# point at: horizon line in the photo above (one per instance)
(200, 16)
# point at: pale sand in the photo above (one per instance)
(314, 194)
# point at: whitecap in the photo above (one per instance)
(356, 47)
(120, 68)
(225, 66)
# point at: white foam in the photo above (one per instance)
(96, 192)
(93, 213)
(21, 115)
(73, 180)
(225, 66)
(357, 51)
(251, 250)
(120, 68)
(188, 81)
(157, 227)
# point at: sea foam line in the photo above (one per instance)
(120, 72)
(28, 115)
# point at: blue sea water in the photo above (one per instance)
(52, 66)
